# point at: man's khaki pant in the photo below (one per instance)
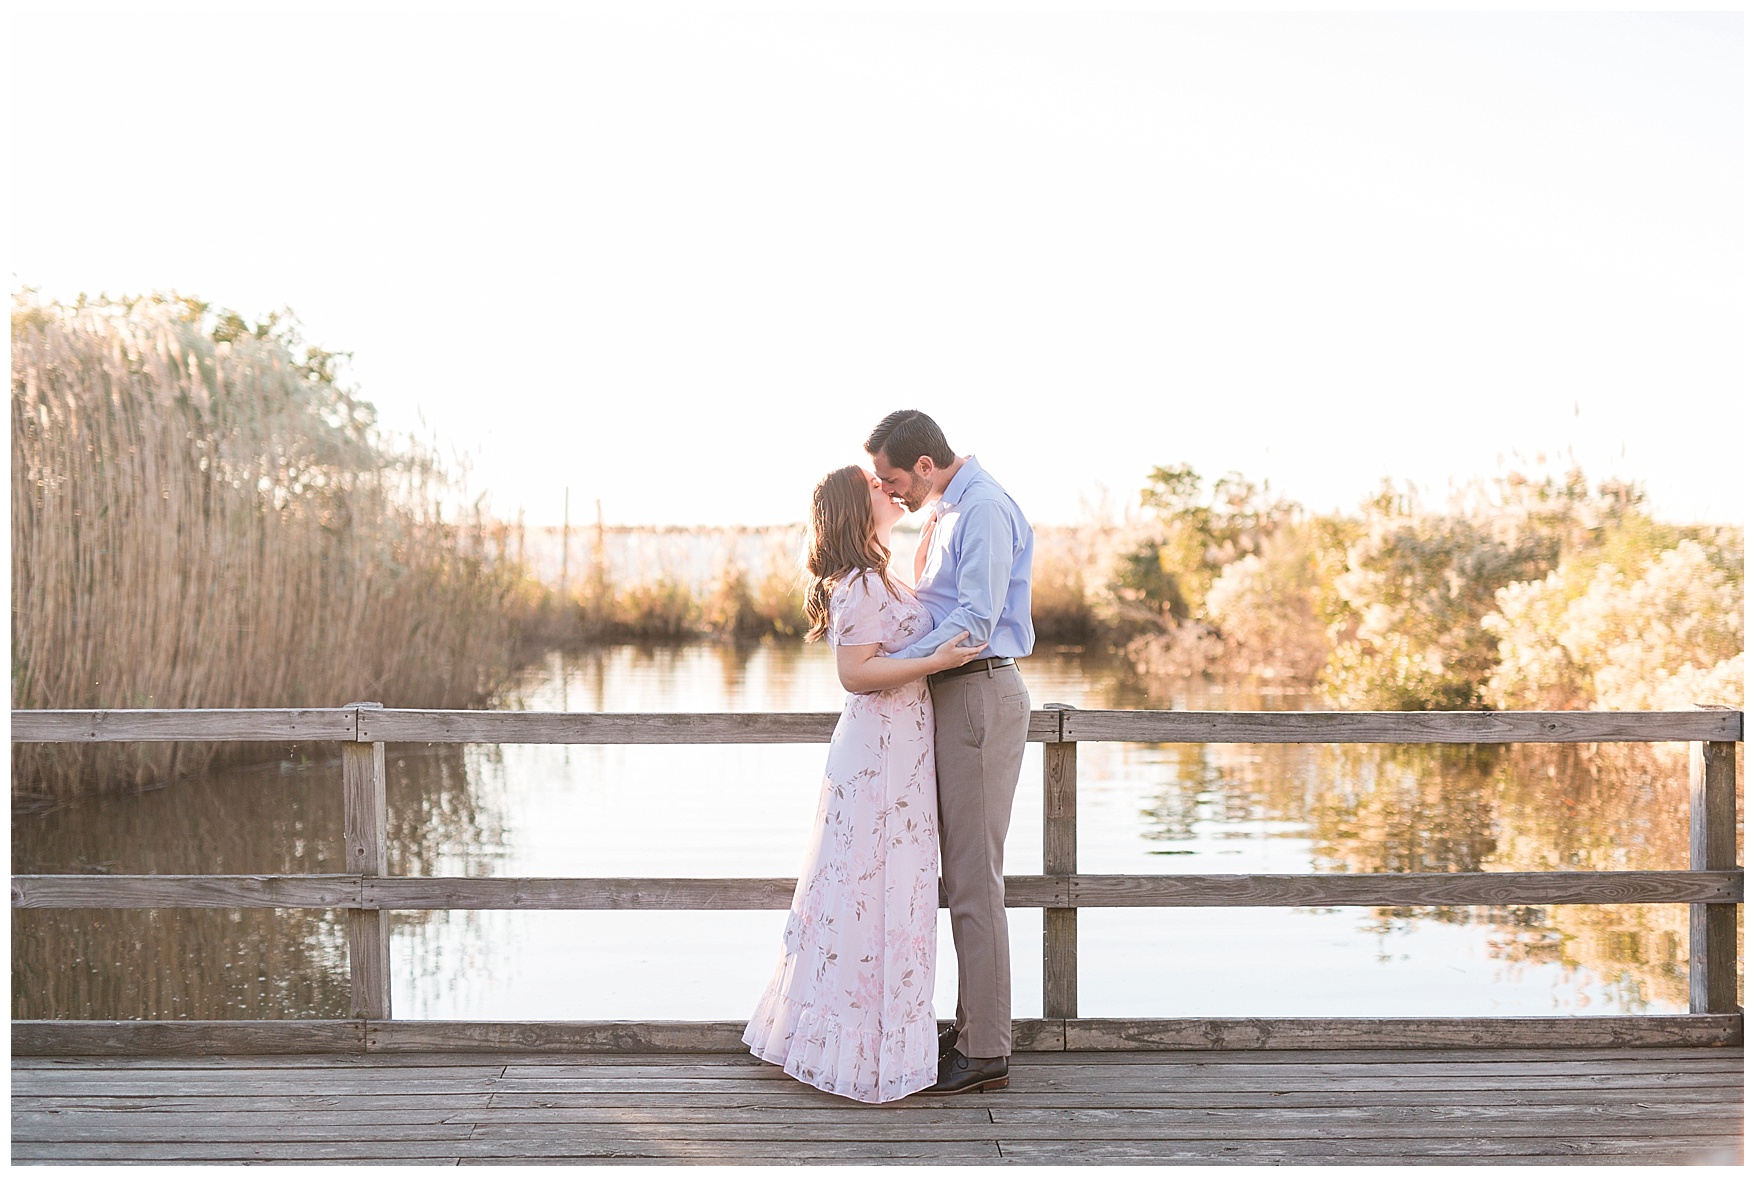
(980, 720)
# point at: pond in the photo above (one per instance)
(744, 811)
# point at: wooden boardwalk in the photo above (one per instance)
(1611, 1105)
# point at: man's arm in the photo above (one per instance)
(984, 572)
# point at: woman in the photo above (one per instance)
(849, 1008)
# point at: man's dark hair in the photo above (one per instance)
(907, 435)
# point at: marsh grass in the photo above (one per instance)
(213, 524)
(706, 583)
(201, 517)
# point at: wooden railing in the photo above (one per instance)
(1712, 886)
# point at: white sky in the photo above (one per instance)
(683, 261)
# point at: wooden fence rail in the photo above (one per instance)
(1713, 885)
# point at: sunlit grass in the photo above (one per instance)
(207, 524)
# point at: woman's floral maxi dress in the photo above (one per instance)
(849, 1008)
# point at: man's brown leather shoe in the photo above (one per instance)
(958, 1072)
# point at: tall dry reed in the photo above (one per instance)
(213, 524)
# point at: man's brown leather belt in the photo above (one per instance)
(987, 664)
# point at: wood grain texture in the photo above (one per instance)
(365, 812)
(603, 894)
(577, 727)
(1403, 890)
(1657, 1148)
(1060, 850)
(1712, 808)
(1060, 809)
(134, 891)
(366, 826)
(1388, 1033)
(1060, 962)
(499, 1037)
(368, 963)
(75, 1039)
(1046, 726)
(1712, 846)
(1291, 1106)
(158, 724)
(409, 893)
(97, 1038)
(1401, 727)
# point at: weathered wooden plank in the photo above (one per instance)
(746, 1155)
(219, 1083)
(211, 1129)
(580, 727)
(1060, 847)
(246, 1069)
(1728, 1057)
(1189, 1061)
(1433, 1094)
(1629, 1057)
(582, 894)
(626, 1037)
(1654, 1149)
(1401, 727)
(134, 891)
(405, 893)
(1383, 1151)
(800, 1099)
(1401, 890)
(437, 1060)
(277, 725)
(1141, 1080)
(230, 1105)
(1097, 1076)
(657, 1144)
(366, 827)
(1168, 1065)
(83, 1038)
(1366, 1033)
(186, 1037)
(1712, 846)
(414, 726)
(935, 1151)
(1356, 1120)
(618, 1036)
(1105, 1123)
(930, 1116)
(1626, 1058)
(1331, 1124)
(1031, 1035)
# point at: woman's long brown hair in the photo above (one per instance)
(842, 541)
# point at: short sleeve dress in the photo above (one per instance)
(849, 1008)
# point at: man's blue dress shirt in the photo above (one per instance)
(977, 574)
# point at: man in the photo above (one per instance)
(972, 572)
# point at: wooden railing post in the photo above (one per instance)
(366, 828)
(1060, 856)
(1712, 845)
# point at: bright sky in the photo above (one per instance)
(683, 261)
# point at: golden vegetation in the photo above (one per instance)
(202, 518)
(1526, 592)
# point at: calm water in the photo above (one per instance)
(745, 810)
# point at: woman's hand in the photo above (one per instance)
(951, 655)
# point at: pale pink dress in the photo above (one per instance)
(849, 1008)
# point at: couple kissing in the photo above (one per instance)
(921, 772)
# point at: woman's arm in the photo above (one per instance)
(864, 669)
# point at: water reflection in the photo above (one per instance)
(742, 810)
(283, 817)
